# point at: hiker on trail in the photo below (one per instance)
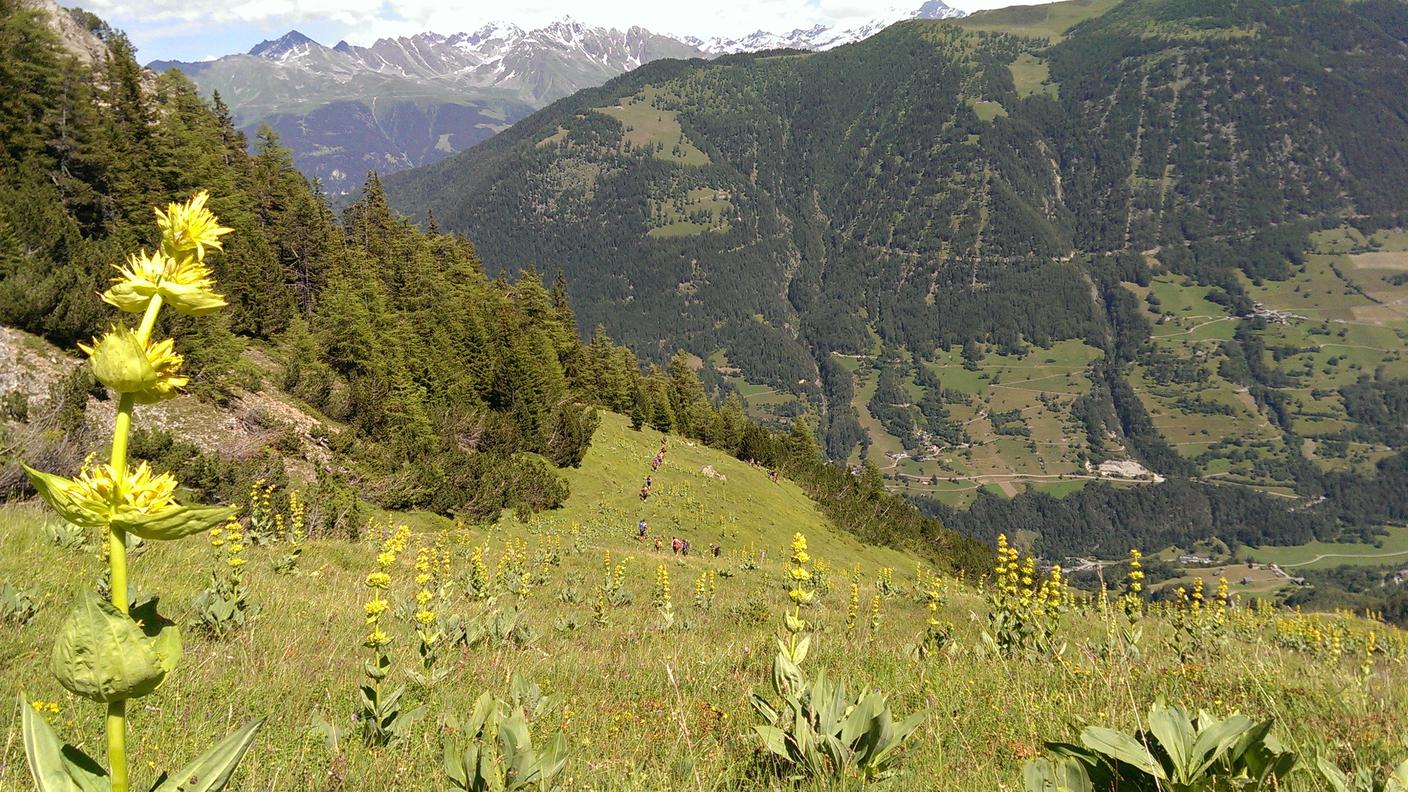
(649, 482)
(684, 547)
(773, 475)
(644, 492)
(655, 463)
(675, 545)
(657, 544)
(640, 531)
(715, 549)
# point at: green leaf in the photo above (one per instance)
(57, 491)
(1173, 730)
(173, 523)
(212, 771)
(1398, 779)
(1214, 741)
(1060, 775)
(1122, 747)
(44, 753)
(774, 739)
(103, 655)
(1338, 781)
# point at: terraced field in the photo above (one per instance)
(1341, 317)
(1017, 420)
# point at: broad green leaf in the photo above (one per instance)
(1061, 775)
(1398, 779)
(212, 770)
(165, 636)
(1120, 746)
(87, 773)
(1337, 780)
(802, 648)
(552, 757)
(774, 739)
(57, 491)
(103, 655)
(173, 523)
(1214, 741)
(44, 752)
(1171, 727)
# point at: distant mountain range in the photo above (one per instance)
(821, 37)
(413, 100)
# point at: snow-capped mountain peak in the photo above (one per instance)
(822, 37)
(283, 47)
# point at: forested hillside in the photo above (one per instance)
(430, 385)
(1030, 249)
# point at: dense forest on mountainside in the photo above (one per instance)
(1171, 209)
(438, 387)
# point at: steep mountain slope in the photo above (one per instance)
(410, 101)
(998, 259)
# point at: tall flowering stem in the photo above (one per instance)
(118, 500)
(799, 592)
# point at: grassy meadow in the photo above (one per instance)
(649, 707)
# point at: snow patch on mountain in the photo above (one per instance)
(821, 37)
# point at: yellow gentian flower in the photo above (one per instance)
(150, 372)
(184, 284)
(189, 228)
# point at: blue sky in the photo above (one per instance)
(200, 29)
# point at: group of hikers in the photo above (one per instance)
(678, 546)
(655, 463)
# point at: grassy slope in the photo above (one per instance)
(1316, 555)
(1048, 20)
(645, 708)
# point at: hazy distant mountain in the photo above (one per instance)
(822, 37)
(412, 100)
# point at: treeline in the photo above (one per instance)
(445, 389)
(1106, 521)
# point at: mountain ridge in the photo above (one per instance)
(411, 100)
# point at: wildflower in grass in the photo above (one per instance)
(427, 634)
(99, 492)
(292, 534)
(480, 586)
(853, 608)
(886, 584)
(380, 713)
(1133, 599)
(875, 614)
(798, 576)
(1371, 642)
(379, 581)
(662, 600)
(701, 584)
